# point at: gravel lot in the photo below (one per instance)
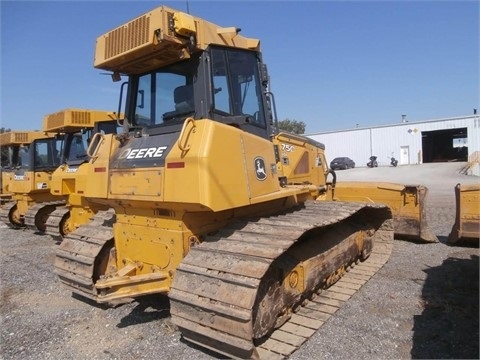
(422, 304)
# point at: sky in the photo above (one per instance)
(334, 65)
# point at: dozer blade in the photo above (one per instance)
(407, 203)
(466, 228)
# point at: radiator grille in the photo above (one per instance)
(18, 137)
(127, 37)
(81, 118)
(63, 118)
(21, 137)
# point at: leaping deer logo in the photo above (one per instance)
(260, 172)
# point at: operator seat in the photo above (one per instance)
(184, 104)
(183, 97)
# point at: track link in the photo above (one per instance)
(36, 216)
(215, 288)
(76, 255)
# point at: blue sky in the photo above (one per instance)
(333, 64)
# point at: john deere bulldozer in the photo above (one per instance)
(64, 139)
(28, 181)
(69, 179)
(11, 143)
(238, 223)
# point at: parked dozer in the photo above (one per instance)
(466, 229)
(10, 143)
(237, 222)
(70, 178)
(28, 181)
(64, 139)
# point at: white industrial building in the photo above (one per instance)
(440, 140)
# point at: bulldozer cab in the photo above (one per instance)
(180, 66)
(37, 161)
(222, 84)
(41, 155)
(15, 159)
(76, 144)
(74, 128)
(11, 142)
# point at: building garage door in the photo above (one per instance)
(445, 145)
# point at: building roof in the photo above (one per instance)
(395, 124)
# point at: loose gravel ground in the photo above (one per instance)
(422, 304)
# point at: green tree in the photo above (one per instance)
(4, 153)
(292, 126)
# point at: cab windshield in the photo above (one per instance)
(165, 96)
(41, 155)
(10, 157)
(221, 84)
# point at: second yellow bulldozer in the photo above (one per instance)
(237, 222)
(28, 181)
(63, 139)
(69, 179)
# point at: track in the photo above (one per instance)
(36, 216)
(55, 222)
(316, 311)
(76, 255)
(214, 297)
(5, 214)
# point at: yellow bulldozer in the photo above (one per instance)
(28, 181)
(11, 143)
(237, 222)
(69, 179)
(63, 139)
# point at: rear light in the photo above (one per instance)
(176, 165)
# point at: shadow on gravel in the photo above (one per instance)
(148, 308)
(210, 353)
(90, 301)
(442, 239)
(153, 308)
(448, 325)
(469, 243)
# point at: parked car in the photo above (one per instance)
(342, 163)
